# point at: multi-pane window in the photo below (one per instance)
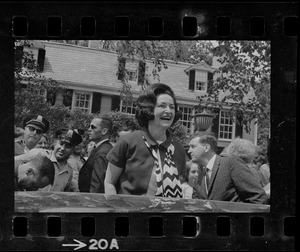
(226, 126)
(131, 70)
(129, 108)
(82, 101)
(201, 81)
(200, 85)
(186, 118)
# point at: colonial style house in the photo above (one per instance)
(90, 74)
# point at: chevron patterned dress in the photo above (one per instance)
(168, 184)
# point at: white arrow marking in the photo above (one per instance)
(79, 245)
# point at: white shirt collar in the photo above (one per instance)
(211, 162)
(98, 144)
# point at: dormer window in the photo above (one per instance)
(200, 76)
(132, 68)
(132, 71)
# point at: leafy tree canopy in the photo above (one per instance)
(245, 66)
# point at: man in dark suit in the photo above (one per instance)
(225, 178)
(92, 173)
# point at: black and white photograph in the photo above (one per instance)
(142, 126)
(148, 126)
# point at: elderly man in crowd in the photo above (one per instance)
(226, 178)
(34, 127)
(66, 140)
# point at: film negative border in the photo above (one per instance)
(189, 28)
(204, 21)
(148, 20)
(155, 231)
(191, 226)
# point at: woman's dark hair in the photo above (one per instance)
(147, 101)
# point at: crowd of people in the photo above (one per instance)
(149, 161)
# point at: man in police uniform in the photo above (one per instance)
(66, 140)
(34, 127)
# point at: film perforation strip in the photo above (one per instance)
(88, 226)
(54, 26)
(224, 26)
(122, 226)
(54, 224)
(122, 25)
(157, 226)
(88, 26)
(223, 226)
(257, 26)
(156, 27)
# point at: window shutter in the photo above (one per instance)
(121, 68)
(215, 126)
(209, 81)
(141, 77)
(67, 100)
(96, 102)
(238, 129)
(41, 59)
(115, 104)
(192, 80)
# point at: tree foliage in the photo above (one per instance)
(245, 65)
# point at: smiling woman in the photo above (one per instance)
(149, 161)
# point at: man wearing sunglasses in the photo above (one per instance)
(34, 127)
(65, 142)
(92, 174)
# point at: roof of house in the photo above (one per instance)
(96, 70)
(200, 66)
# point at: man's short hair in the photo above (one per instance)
(106, 122)
(45, 167)
(207, 138)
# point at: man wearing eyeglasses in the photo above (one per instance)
(92, 173)
(34, 127)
